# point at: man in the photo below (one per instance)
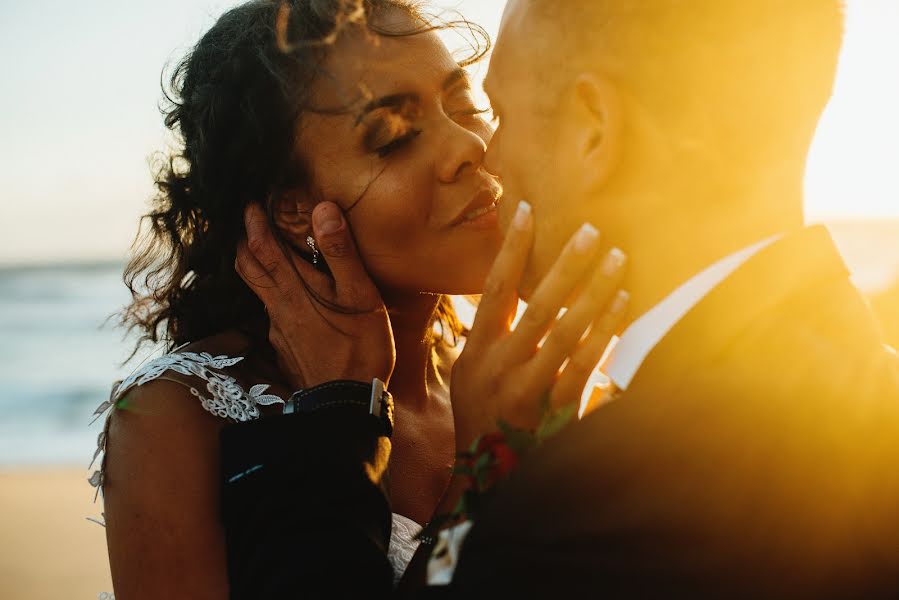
(751, 447)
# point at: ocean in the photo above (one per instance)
(60, 352)
(58, 357)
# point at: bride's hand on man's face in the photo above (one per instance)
(345, 333)
(505, 373)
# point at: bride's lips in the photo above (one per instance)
(483, 205)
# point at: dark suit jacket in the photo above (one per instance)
(304, 506)
(756, 453)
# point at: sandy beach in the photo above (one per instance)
(48, 550)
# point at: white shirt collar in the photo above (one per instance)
(627, 355)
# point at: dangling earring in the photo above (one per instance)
(310, 241)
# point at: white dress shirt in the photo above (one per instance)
(628, 353)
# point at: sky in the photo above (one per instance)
(79, 118)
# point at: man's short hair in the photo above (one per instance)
(737, 66)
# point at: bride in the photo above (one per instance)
(280, 108)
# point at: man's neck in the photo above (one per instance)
(664, 257)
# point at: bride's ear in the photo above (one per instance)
(292, 211)
(598, 109)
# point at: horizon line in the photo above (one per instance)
(87, 261)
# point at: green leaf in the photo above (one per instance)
(520, 441)
(482, 463)
(505, 427)
(123, 402)
(462, 470)
(460, 506)
(546, 406)
(553, 423)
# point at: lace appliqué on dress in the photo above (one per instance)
(403, 544)
(223, 397)
(227, 399)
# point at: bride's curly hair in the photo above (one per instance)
(233, 106)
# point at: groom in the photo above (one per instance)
(752, 447)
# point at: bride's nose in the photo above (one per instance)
(462, 151)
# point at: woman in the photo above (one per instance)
(289, 105)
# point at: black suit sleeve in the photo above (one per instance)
(769, 491)
(304, 506)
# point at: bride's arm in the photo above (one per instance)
(161, 497)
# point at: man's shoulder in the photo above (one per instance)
(784, 399)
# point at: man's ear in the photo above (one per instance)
(293, 215)
(598, 109)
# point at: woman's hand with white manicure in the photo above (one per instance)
(504, 373)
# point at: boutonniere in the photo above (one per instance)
(492, 457)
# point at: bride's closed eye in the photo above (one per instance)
(389, 122)
(388, 129)
(398, 143)
(488, 114)
(471, 112)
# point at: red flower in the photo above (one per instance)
(489, 441)
(495, 455)
(506, 459)
(501, 460)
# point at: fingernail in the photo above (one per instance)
(613, 262)
(586, 237)
(522, 215)
(327, 218)
(620, 302)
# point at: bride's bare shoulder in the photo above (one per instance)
(162, 431)
(160, 474)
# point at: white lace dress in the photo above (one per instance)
(224, 397)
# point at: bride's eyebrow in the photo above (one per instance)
(391, 101)
(399, 100)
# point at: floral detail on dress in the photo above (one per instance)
(229, 401)
(223, 397)
(185, 363)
